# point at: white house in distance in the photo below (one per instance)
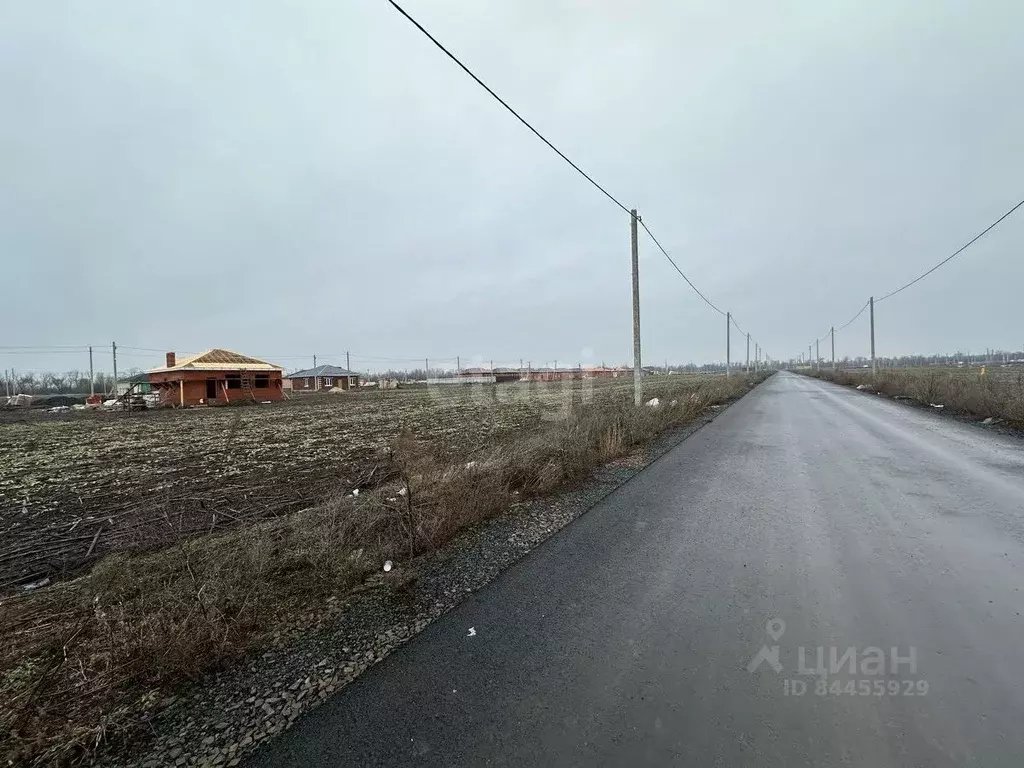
(321, 377)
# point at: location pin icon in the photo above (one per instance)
(775, 628)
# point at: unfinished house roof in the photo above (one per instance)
(218, 360)
(321, 370)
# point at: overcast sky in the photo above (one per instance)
(284, 179)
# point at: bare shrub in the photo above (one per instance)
(966, 392)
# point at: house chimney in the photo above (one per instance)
(170, 360)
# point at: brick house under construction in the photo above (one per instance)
(215, 377)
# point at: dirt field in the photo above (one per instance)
(77, 486)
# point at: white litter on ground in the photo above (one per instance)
(387, 566)
(36, 584)
(654, 402)
(933, 405)
(472, 632)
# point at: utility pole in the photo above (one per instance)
(748, 354)
(728, 351)
(113, 350)
(314, 361)
(348, 362)
(426, 367)
(874, 366)
(92, 377)
(458, 363)
(832, 331)
(817, 354)
(809, 355)
(634, 248)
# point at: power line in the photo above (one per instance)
(31, 347)
(672, 262)
(505, 104)
(953, 255)
(946, 260)
(559, 152)
(859, 313)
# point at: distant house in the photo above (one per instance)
(554, 374)
(215, 377)
(138, 384)
(489, 375)
(322, 377)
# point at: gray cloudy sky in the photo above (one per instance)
(290, 178)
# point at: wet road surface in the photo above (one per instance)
(807, 516)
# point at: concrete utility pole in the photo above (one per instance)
(748, 355)
(314, 361)
(458, 363)
(874, 366)
(817, 354)
(809, 355)
(635, 253)
(348, 362)
(92, 377)
(113, 350)
(832, 331)
(728, 351)
(426, 367)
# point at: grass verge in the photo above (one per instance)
(85, 664)
(965, 393)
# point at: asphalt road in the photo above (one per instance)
(627, 638)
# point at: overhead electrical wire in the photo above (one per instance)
(925, 274)
(682, 274)
(559, 152)
(850, 321)
(505, 104)
(955, 253)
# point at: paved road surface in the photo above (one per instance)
(626, 639)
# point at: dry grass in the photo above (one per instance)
(997, 394)
(84, 664)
